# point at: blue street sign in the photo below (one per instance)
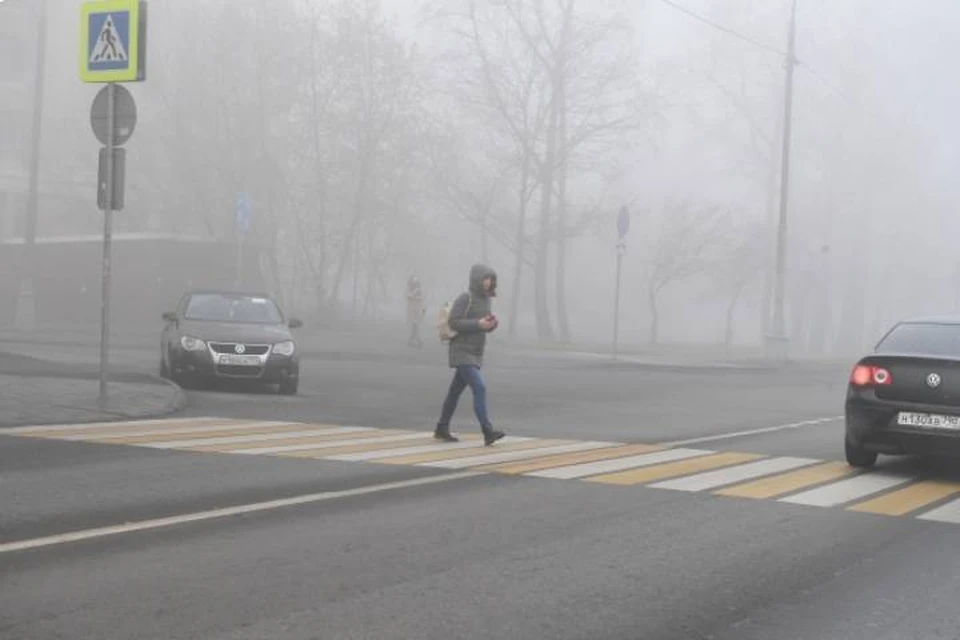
(244, 212)
(623, 222)
(112, 41)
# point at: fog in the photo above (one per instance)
(381, 140)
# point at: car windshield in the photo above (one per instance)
(215, 307)
(922, 339)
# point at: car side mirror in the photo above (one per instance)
(295, 324)
(170, 316)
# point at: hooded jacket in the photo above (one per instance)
(468, 309)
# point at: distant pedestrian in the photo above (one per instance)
(416, 310)
(471, 318)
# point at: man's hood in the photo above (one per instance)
(477, 274)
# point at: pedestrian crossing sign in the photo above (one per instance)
(112, 39)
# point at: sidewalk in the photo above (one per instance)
(368, 345)
(34, 392)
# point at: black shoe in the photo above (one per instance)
(491, 435)
(445, 435)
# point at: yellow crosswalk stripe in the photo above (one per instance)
(673, 469)
(910, 498)
(565, 459)
(787, 482)
(321, 438)
(320, 452)
(479, 450)
(187, 435)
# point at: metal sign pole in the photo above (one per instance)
(616, 303)
(107, 233)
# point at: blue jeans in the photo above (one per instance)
(466, 376)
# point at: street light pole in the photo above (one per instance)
(779, 323)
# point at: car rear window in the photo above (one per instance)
(232, 308)
(918, 338)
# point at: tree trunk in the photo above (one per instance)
(731, 312)
(521, 246)
(654, 317)
(544, 326)
(563, 319)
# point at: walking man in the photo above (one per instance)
(471, 317)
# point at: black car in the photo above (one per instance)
(904, 398)
(233, 336)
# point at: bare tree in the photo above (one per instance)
(684, 246)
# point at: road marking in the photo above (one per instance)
(444, 451)
(334, 446)
(158, 438)
(213, 514)
(847, 490)
(751, 432)
(908, 499)
(510, 443)
(673, 469)
(515, 455)
(55, 428)
(949, 512)
(594, 468)
(228, 427)
(413, 440)
(568, 459)
(320, 438)
(199, 442)
(782, 484)
(719, 478)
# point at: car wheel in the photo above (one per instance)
(858, 456)
(288, 386)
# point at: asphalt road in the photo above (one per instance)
(321, 548)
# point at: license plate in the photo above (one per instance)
(927, 420)
(242, 361)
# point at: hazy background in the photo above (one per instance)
(379, 140)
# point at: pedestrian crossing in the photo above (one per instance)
(807, 482)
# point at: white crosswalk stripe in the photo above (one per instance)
(427, 448)
(510, 456)
(618, 464)
(949, 513)
(731, 475)
(331, 444)
(847, 490)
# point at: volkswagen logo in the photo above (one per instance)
(240, 349)
(934, 380)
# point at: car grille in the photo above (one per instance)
(231, 347)
(238, 371)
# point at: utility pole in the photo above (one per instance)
(779, 337)
(25, 300)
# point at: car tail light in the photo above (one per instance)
(867, 376)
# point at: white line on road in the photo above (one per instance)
(847, 490)
(101, 425)
(713, 479)
(213, 514)
(331, 444)
(585, 469)
(428, 448)
(751, 432)
(116, 435)
(511, 456)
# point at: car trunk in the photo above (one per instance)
(920, 379)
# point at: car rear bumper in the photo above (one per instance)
(871, 423)
(200, 364)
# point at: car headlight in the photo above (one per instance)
(192, 344)
(284, 348)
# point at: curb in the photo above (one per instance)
(176, 403)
